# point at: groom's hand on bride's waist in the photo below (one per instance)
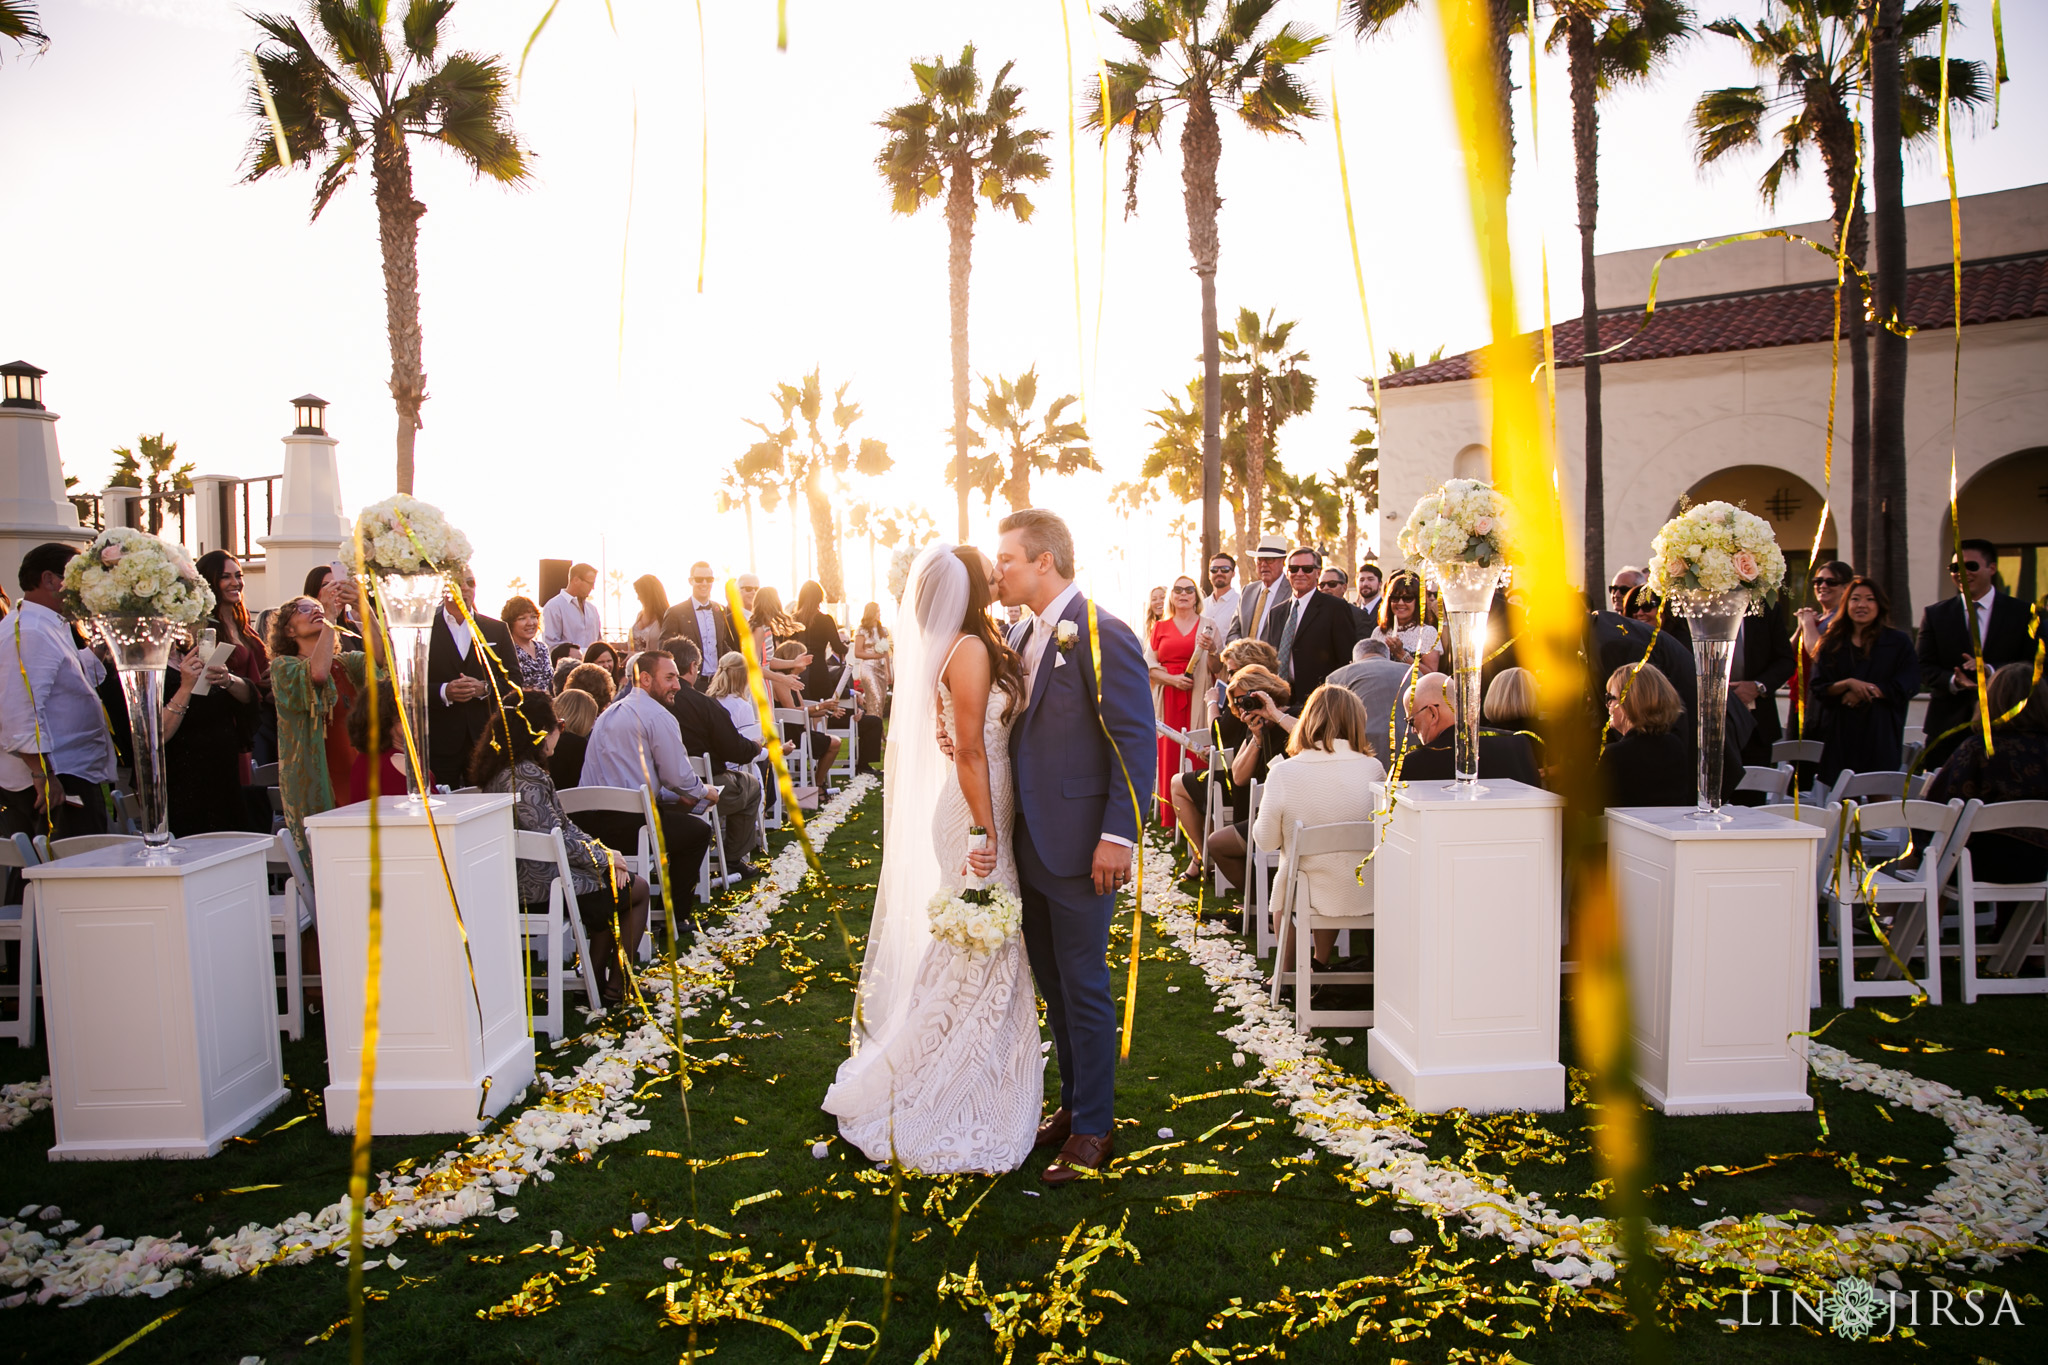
(1112, 866)
(945, 740)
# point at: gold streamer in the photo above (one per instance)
(135, 1336)
(373, 990)
(1137, 844)
(1074, 212)
(704, 147)
(284, 148)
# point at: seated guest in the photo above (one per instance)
(870, 664)
(770, 628)
(1433, 759)
(1258, 725)
(1510, 700)
(562, 652)
(824, 748)
(560, 678)
(1648, 763)
(577, 711)
(1377, 681)
(1865, 675)
(530, 656)
(384, 752)
(594, 679)
(609, 659)
(1247, 653)
(708, 729)
(1325, 779)
(730, 690)
(2016, 769)
(513, 758)
(636, 743)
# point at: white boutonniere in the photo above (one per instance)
(1063, 637)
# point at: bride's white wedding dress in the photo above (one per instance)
(958, 1083)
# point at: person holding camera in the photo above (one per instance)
(1257, 698)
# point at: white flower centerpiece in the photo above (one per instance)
(975, 919)
(1459, 534)
(141, 593)
(1714, 563)
(410, 549)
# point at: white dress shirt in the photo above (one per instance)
(1219, 612)
(65, 721)
(633, 728)
(707, 632)
(565, 621)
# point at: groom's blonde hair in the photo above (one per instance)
(1044, 533)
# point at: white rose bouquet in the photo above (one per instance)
(125, 572)
(1717, 547)
(402, 535)
(976, 920)
(1463, 522)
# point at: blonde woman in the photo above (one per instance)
(577, 710)
(729, 689)
(1326, 778)
(870, 661)
(1511, 700)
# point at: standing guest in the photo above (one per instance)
(701, 618)
(1409, 637)
(871, 650)
(513, 757)
(304, 663)
(467, 678)
(647, 626)
(1326, 779)
(1261, 597)
(205, 735)
(1378, 682)
(1645, 606)
(636, 743)
(248, 666)
(341, 599)
(1763, 662)
(335, 588)
(1952, 651)
(530, 656)
(52, 726)
(1258, 701)
(1369, 580)
(816, 714)
(1337, 584)
(1155, 610)
(1181, 677)
(595, 681)
(1219, 607)
(771, 628)
(2015, 769)
(569, 618)
(750, 588)
(708, 730)
(1648, 764)
(577, 711)
(1865, 675)
(821, 640)
(1313, 631)
(385, 750)
(610, 660)
(1626, 579)
(1830, 581)
(1433, 758)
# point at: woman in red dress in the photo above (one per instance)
(1173, 643)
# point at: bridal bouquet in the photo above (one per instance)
(402, 535)
(976, 920)
(1717, 547)
(1463, 522)
(133, 573)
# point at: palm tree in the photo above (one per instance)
(1812, 57)
(150, 465)
(1608, 44)
(1359, 486)
(1269, 388)
(19, 21)
(1307, 505)
(1056, 447)
(806, 463)
(953, 143)
(1192, 55)
(352, 90)
(738, 487)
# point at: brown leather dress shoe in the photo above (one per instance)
(1053, 1132)
(1089, 1151)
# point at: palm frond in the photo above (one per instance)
(1726, 120)
(422, 27)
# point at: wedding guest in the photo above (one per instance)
(1155, 610)
(1378, 682)
(770, 628)
(821, 640)
(701, 618)
(1402, 627)
(304, 663)
(1647, 763)
(342, 599)
(750, 588)
(1313, 631)
(1645, 606)
(2015, 769)
(594, 680)
(636, 743)
(205, 735)
(337, 593)
(1951, 652)
(1257, 705)
(1433, 757)
(385, 748)
(1511, 700)
(729, 689)
(248, 680)
(816, 714)
(1337, 584)
(1180, 679)
(707, 729)
(647, 628)
(572, 654)
(1245, 653)
(578, 713)
(52, 725)
(560, 677)
(569, 619)
(1864, 677)
(467, 678)
(1830, 581)
(1326, 778)
(513, 757)
(1261, 597)
(529, 655)
(1626, 579)
(610, 660)
(870, 662)
(1369, 580)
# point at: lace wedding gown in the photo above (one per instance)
(963, 1076)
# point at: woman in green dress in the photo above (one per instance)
(303, 661)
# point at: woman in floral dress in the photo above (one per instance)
(303, 664)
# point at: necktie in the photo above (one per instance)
(1287, 642)
(1265, 602)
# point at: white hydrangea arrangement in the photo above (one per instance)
(133, 573)
(976, 920)
(402, 535)
(899, 570)
(1717, 547)
(1463, 522)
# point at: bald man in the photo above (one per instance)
(1433, 718)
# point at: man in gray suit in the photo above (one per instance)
(1261, 597)
(1379, 682)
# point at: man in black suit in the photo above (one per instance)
(708, 730)
(1763, 663)
(465, 681)
(704, 622)
(1337, 584)
(1313, 630)
(1953, 650)
(1433, 758)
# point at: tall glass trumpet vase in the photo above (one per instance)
(1715, 619)
(408, 602)
(1468, 598)
(141, 649)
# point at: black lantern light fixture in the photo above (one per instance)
(23, 385)
(312, 414)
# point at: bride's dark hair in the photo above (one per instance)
(1004, 665)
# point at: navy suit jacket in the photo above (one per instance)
(1073, 784)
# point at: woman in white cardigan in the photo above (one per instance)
(1326, 779)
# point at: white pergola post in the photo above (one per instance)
(33, 506)
(310, 527)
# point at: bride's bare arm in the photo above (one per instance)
(967, 677)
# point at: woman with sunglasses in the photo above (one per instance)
(1829, 582)
(1180, 676)
(1403, 627)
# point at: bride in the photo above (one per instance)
(946, 1074)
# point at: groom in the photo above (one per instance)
(1083, 771)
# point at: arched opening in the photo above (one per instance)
(1790, 504)
(1474, 461)
(2006, 503)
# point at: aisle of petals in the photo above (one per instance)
(589, 1107)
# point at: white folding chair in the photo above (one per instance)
(1829, 820)
(1216, 809)
(848, 734)
(1797, 751)
(1893, 785)
(547, 926)
(803, 768)
(643, 860)
(1864, 886)
(1772, 782)
(291, 914)
(707, 879)
(18, 926)
(1299, 919)
(2025, 924)
(128, 810)
(1259, 866)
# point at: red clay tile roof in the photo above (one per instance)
(1993, 291)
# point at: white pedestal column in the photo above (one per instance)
(1719, 924)
(310, 527)
(161, 999)
(1465, 948)
(33, 507)
(434, 1052)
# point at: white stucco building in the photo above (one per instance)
(1725, 395)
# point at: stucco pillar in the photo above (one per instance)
(310, 527)
(33, 508)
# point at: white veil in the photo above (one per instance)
(928, 621)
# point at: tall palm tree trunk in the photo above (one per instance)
(1505, 15)
(1888, 378)
(747, 501)
(1255, 447)
(1201, 149)
(826, 536)
(959, 254)
(1837, 136)
(398, 233)
(1018, 488)
(1586, 154)
(1351, 539)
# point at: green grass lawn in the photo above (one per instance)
(1248, 1241)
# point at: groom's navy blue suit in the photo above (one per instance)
(1073, 787)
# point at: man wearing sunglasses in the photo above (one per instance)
(1259, 598)
(1953, 647)
(1313, 630)
(703, 620)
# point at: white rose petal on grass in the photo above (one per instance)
(1166, 1132)
(394, 1262)
(1173, 990)
(640, 1222)
(819, 1149)
(1400, 1236)
(1236, 1058)
(1345, 1041)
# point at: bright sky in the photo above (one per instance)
(585, 397)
